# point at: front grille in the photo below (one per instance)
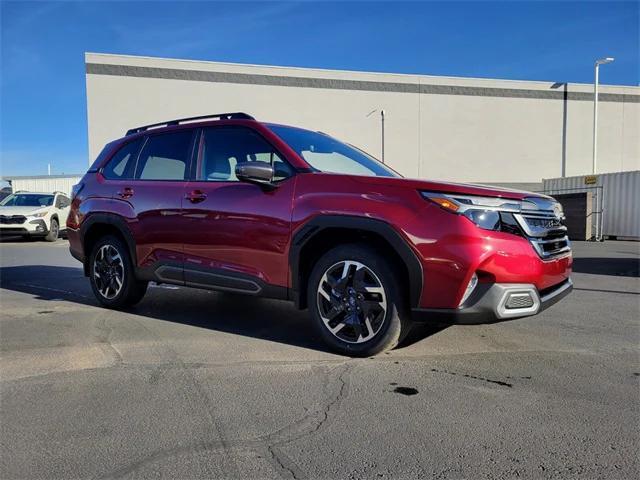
(543, 222)
(12, 219)
(545, 231)
(551, 247)
(540, 224)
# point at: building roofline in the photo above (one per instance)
(38, 177)
(544, 83)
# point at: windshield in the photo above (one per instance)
(327, 154)
(27, 200)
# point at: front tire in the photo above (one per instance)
(54, 230)
(356, 301)
(112, 276)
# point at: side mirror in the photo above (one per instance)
(255, 172)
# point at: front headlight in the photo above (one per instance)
(38, 214)
(483, 211)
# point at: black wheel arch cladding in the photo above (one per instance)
(111, 222)
(317, 225)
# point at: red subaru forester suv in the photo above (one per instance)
(225, 202)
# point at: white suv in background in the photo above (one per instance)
(31, 214)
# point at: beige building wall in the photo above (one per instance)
(458, 129)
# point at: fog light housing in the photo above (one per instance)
(473, 282)
(40, 226)
(519, 300)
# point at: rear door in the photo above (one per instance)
(238, 233)
(149, 192)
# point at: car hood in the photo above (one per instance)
(450, 187)
(20, 210)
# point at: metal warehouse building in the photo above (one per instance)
(444, 128)
(43, 183)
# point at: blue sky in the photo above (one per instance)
(43, 43)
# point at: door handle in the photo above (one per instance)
(196, 196)
(126, 192)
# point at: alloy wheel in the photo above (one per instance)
(108, 271)
(352, 301)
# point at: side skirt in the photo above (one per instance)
(211, 279)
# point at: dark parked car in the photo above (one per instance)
(228, 203)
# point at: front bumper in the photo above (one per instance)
(496, 302)
(32, 227)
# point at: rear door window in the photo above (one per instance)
(165, 156)
(123, 163)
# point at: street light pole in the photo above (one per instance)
(601, 61)
(382, 120)
(382, 127)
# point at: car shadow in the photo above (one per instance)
(27, 239)
(273, 320)
(13, 239)
(621, 267)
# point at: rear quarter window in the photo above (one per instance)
(95, 166)
(123, 163)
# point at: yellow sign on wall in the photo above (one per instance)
(590, 180)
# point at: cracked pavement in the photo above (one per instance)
(196, 384)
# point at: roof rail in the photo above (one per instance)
(219, 116)
(37, 193)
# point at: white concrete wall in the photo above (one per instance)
(484, 131)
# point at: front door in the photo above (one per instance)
(238, 232)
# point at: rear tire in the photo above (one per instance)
(112, 275)
(54, 230)
(356, 301)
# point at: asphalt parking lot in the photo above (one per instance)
(196, 384)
